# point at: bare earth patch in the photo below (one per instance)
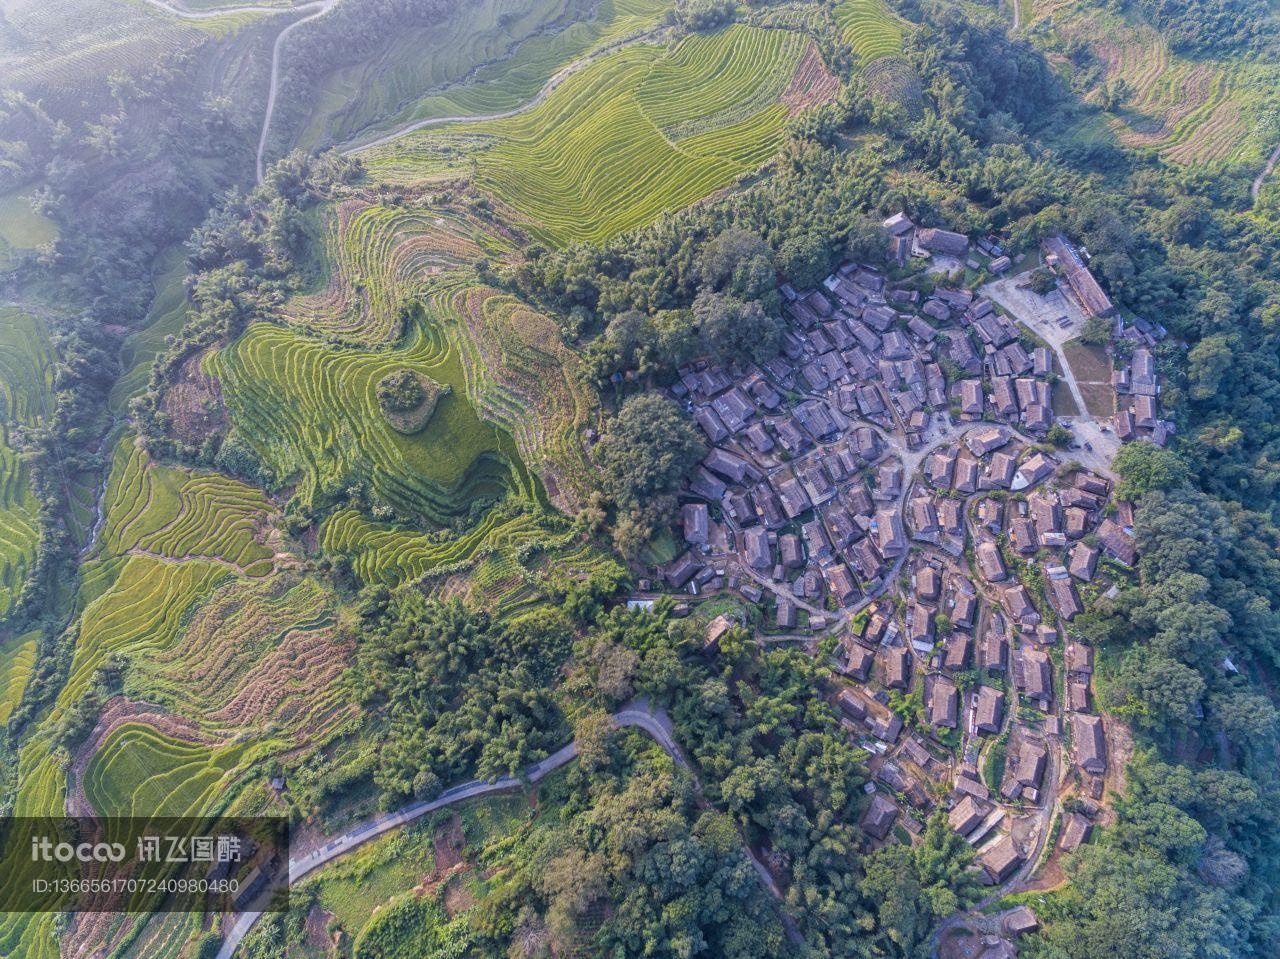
(812, 83)
(193, 402)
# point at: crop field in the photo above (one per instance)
(139, 771)
(22, 228)
(421, 60)
(522, 377)
(1192, 112)
(637, 133)
(24, 389)
(140, 615)
(258, 654)
(164, 936)
(377, 255)
(311, 411)
(490, 57)
(870, 28)
(175, 514)
(17, 659)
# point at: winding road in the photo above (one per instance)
(653, 722)
(317, 8)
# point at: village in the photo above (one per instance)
(898, 479)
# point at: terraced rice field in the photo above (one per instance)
(179, 515)
(25, 369)
(1192, 112)
(17, 659)
(522, 377)
(140, 615)
(138, 771)
(21, 227)
(488, 58)
(870, 28)
(311, 412)
(637, 133)
(258, 656)
(378, 256)
(423, 59)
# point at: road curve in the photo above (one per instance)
(317, 8)
(1272, 160)
(639, 715)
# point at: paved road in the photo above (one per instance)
(321, 8)
(639, 715)
(317, 8)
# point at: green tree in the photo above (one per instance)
(805, 260)
(645, 453)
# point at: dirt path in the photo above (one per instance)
(1272, 160)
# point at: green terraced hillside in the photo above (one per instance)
(489, 57)
(140, 771)
(175, 514)
(639, 132)
(871, 28)
(310, 410)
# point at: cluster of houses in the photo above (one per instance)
(802, 491)
(886, 476)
